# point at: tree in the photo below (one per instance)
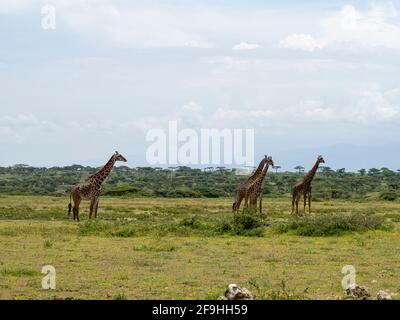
(276, 168)
(373, 171)
(299, 169)
(362, 171)
(326, 170)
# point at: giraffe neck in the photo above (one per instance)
(103, 173)
(261, 177)
(257, 172)
(310, 175)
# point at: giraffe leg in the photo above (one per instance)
(261, 196)
(91, 207)
(253, 203)
(297, 203)
(246, 202)
(96, 207)
(238, 201)
(238, 204)
(75, 209)
(305, 201)
(309, 201)
(293, 200)
(76, 212)
(234, 202)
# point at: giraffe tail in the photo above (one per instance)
(70, 205)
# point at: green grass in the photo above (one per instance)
(147, 248)
(18, 272)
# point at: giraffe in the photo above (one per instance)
(240, 191)
(304, 188)
(90, 188)
(255, 190)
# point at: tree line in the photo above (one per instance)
(212, 182)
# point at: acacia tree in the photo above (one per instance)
(299, 168)
(276, 168)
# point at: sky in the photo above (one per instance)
(310, 77)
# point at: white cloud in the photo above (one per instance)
(196, 44)
(375, 106)
(301, 41)
(367, 28)
(131, 27)
(15, 6)
(18, 128)
(261, 113)
(156, 24)
(374, 27)
(246, 46)
(190, 114)
(192, 107)
(227, 114)
(24, 121)
(122, 24)
(315, 110)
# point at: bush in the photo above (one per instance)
(340, 194)
(246, 224)
(192, 222)
(389, 196)
(246, 221)
(182, 192)
(321, 195)
(107, 228)
(209, 192)
(124, 233)
(224, 227)
(125, 190)
(335, 224)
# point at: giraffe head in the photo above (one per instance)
(269, 161)
(119, 157)
(321, 159)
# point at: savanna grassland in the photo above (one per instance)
(158, 248)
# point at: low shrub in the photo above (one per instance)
(247, 224)
(333, 224)
(388, 196)
(246, 221)
(340, 194)
(125, 190)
